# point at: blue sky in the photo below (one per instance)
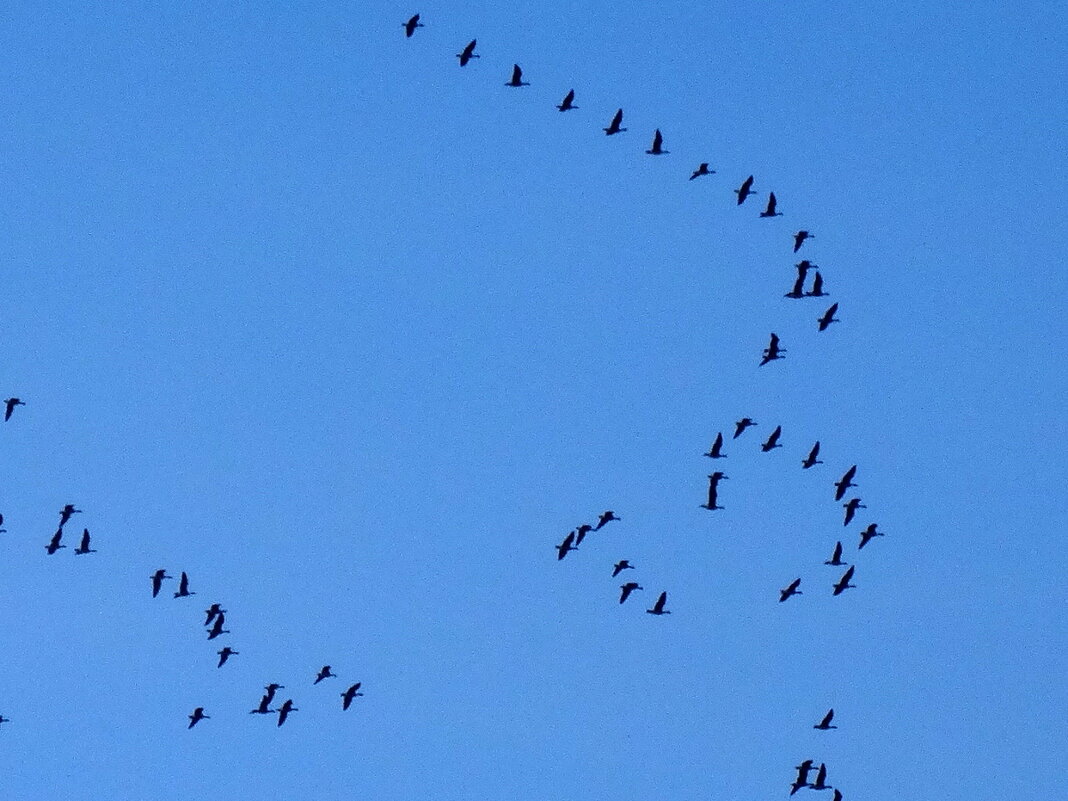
(355, 337)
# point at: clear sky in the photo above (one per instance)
(355, 336)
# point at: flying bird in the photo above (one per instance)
(627, 588)
(836, 557)
(217, 629)
(225, 654)
(467, 54)
(284, 710)
(745, 190)
(569, 102)
(53, 544)
(66, 512)
(183, 587)
(851, 507)
(837, 795)
(845, 483)
(658, 607)
(713, 485)
(825, 724)
(791, 590)
(843, 583)
(620, 566)
(565, 546)
(271, 689)
(741, 426)
(157, 581)
(658, 141)
(607, 517)
(770, 210)
(702, 169)
(802, 776)
(773, 440)
(211, 612)
(798, 289)
(580, 536)
(411, 25)
(716, 451)
(264, 708)
(517, 77)
(799, 239)
(2, 530)
(349, 694)
(613, 126)
(197, 716)
(828, 317)
(811, 459)
(821, 779)
(817, 287)
(324, 673)
(4, 720)
(804, 266)
(772, 351)
(11, 404)
(84, 546)
(867, 534)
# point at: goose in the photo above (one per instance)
(811, 459)
(613, 126)
(465, 56)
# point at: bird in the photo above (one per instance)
(828, 317)
(817, 287)
(565, 546)
(627, 588)
(613, 126)
(804, 266)
(53, 544)
(284, 710)
(4, 720)
(745, 190)
(66, 512)
(799, 239)
(837, 795)
(843, 583)
(770, 210)
(773, 440)
(183, 587)
(225, 654)
(867, 534)
(465, 56)
(851, 507)
(716, 451)
(84, 546)
(324, 673)
(802, 776)
(821, 779)
(211, 612)
(713, 486)
(2, 530)
(658, 607)
(197, 716)
(11, 404)
(217, 629)
(845, 483)
(580, 535)
(607, 517)
(772, 351)
(791, 590)
(517, 77)
(798, 289)
(658, 141)
(411, 25)
(620, 566)
(271, 689)
(264, 708)
(811, 459)
(836, 557)
(568, 102)
(582, 531)
(702, 169)
(157, 581)
(349, 694)
(742, 425)
(825, 724)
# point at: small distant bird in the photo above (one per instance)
(658, 607)
(791, 590)
(2, 530)
(197, 716)
(11, 404)
(825, 724)
(811, 459)
(713, 489)
(217, 629)
(66, 512)
(843, 583)
(867, 534)
(620, 566)
(467, 54)
(568, 102)
(802, 776)
(657, 148)
(582, 531)
(716, 451)
(211, 612)
(837, 795)
(183, 587)
(157, 580)
(773, 440)
(349, 694)
(627, 588)
(817, 287)
(828, 317)
(613, 126)
(580, 536)
(4, 720)
(517, 77)
(851, 507)
(845, 483)
(84, 546)
(745, 190)
(272, 689)
(607, 517)
(821, 779)
(324, 673)
(53, 544)
(799, 239)
(742, 425)
(264, 708)
(772, 351)
(225, 654)
(411, 25)
(565, 546)
(836, 557)
(284, 710)
(798, 289)
(770, 210)
(702, 169)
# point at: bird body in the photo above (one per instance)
(197, 716)
(658, 607)
(791, 590)
(284, 710)
(84, 546)
(411, 25)
(613, 126)
(66, 512)
(828, 317)
(799, 239)
(843, 583)
(798, 290)
(821, 779)
(627, 589)
(568, 102)
(264, 708)
(741, 426)
(620, 566)
(825, 724)
(867, 534)
(745, 190)
(565, 546)
(157, 580)
(772, 351)
(836, 557)
(211, 612)
(845, 483)
(658, 141)
(770, 210)
(324, 673)
(517, 77)
(53, 544)
(183, 587)
(713, 489)
(10, 405)
(702, 169)
(217, 629)
(465, 56)
(225, 654)
(349, 694)
(716, 451)
(772, 441)
(851, 507)
(817, 287)
(607, 517)
(811, 459)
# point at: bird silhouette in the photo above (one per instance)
(791, 590)
(851, 507)
(799, 239)
(845, 483)
(568, 102)
(811, 460)
(713, 488)
(627, 589)
(772, 441)
(613, 126)
(324, 673)
(716, 451)
(349, 694)
(580, 536)
(225, 654)
(53, 544)
(867, 534)
(825, 724)
(741, 426)
(211, 612)
(4, 720)
(157, 580)
(11, 403)
(817, 287)
(843, 583)
(2, 530)
(828, 317)
(284, 710)
(802, 776)
(183, 587)
(217, 629)
(197, 716)
(745, 190)
(658, 607)
(702, 169)
(465, 56)
(411, 25)
(264, 708)
(772, 351)
(565, 546)
(66, 512)
(620, 566)
(803, 267)
(836, 557)
(517, 77)
(657, 148)
(821, 779)
(607, 517)
(84, 546)
(837, 795)
(770, 210)
(798, 290)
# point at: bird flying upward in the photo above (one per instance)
(745, 190)
(66, 512)
(465, 56)
(811, 459)
(53, 544)
(517, 77)
(742, 425)
(867, 534)
(713, 490)
(411, 25)
(183, 587)
(772, 351)
(627, 589)
(845, 483)
(565, 546)
(613, 126)
(658, 607)
(828, 317)
(620, 566)
(349, 694)
(799, 239)
(772, 441)
(225, 654)
(607, 517)
(825, 724)
(11, 403)
(791, 590)
(284, 710)
(657, 148)
(843, 583)
(851, 507)
(197, 716)
(568, 102)
(716, 451)
(836, 557)
(157, 580)
(770, 210)
(84, 546)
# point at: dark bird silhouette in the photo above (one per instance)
(867, 534)
(613, 126)
(264, 708)
(66, 512)
(627, 588)
(467, 54)
(837, 795)
(716, 451)
(845, 483)
(843, 583)
(742, 425)
(817, 287)
(851, 507)
(798, 289)
(607, 517)
(183, 587)
(517, 77)
(702, 169)
(53, 544)
(658, 607)
(197, 716)
(568, 102)
(770, 210)
(217, 629)
(825, 724)
(225, 654)
(84, 546)
(324, 673)
(411, 25)
(791, 590)
(284, 710)
(157, 580)
(271, 689)
(2, 530)
(745, 190)
(580, 536)
(211, 612)
(799, 239)
(620, 566)
(804, 266)
(772, 351)
(773, 440)
(349, 694)
(828, 317)
(583, 530)
(821, 779)
(836, 557)
(11, 404)
(713, 489)
(657, 148)
(811, 460)
(4, 720)
(565, 546)
(802, 776)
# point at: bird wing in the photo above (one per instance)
(517, 74)
(657, 140)
(661, 601)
